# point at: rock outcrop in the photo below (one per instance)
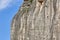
(37, 20)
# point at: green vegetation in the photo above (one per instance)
(30, 1)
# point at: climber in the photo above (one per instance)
(41, 1)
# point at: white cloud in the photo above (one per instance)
(4, 3)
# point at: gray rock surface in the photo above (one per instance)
(36, 21)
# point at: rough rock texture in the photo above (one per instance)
(36, 21)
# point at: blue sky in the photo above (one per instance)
(8, 8)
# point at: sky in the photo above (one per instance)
(8, 8)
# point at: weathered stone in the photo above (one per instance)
(37, 22)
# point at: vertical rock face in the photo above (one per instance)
(36, 21)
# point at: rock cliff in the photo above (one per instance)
(37, 20)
